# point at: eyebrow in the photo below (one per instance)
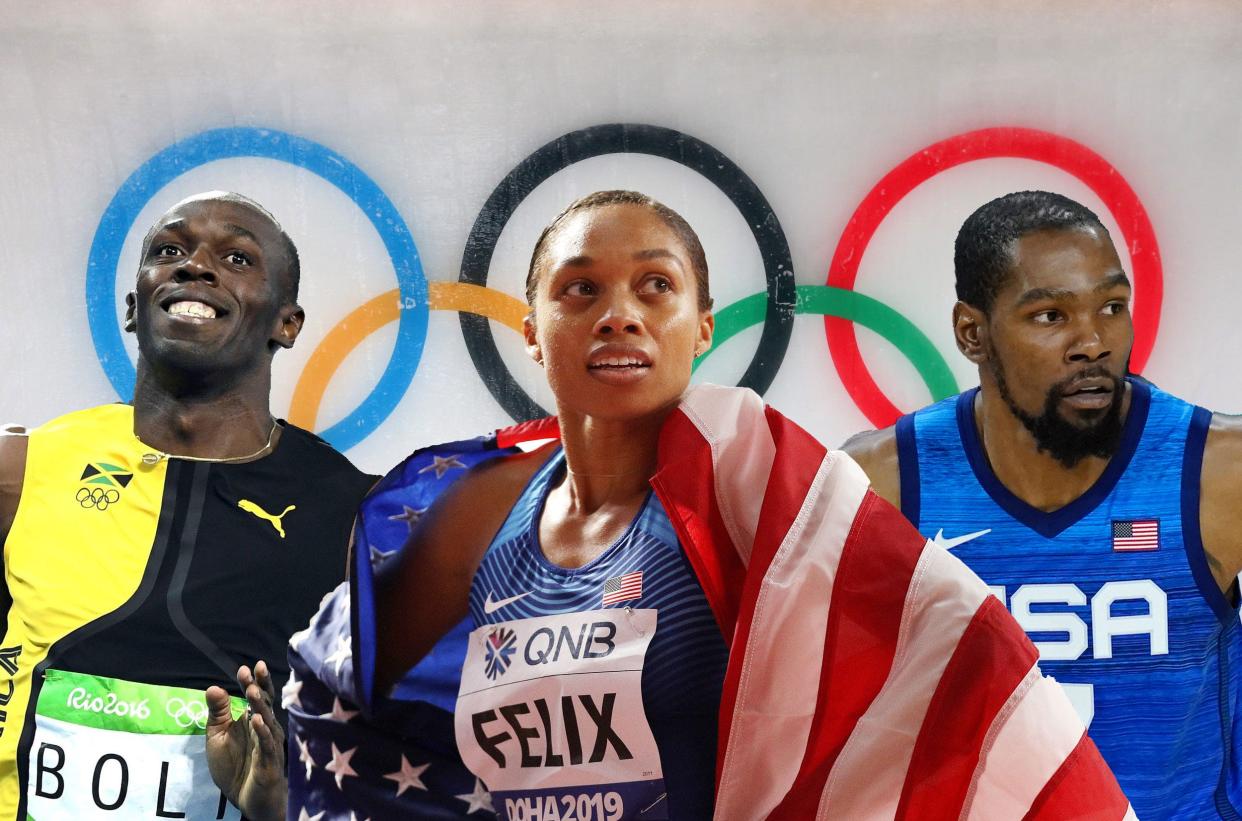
(232, 228)
(584, 261)
(657, 253)
(1054, 294)
(238, 231)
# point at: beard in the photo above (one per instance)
(1061, 439)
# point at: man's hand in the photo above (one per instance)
(247, 756)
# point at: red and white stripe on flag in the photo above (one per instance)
(1136, 534)
(870, 675)
(623, 588)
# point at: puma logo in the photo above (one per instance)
(251, 507)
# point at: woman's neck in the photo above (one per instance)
(608, 462)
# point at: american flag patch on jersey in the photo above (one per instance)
(623, 588)
(1136, 534)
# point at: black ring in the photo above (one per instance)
(631, 138)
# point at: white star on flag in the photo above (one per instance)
(304, 755)
(378, 556)
(341, 654)
(411, 515)
(339, 713)
(353, 817)
(442, 465)
(295, 641)
(302, 816)
(409, 776)
(480, 799)
(340, 765)
(291, 692)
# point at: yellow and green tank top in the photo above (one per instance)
(158, 572)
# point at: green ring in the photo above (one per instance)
(826, 300)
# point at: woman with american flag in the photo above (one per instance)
(681, 606)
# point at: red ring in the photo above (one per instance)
(989, 143)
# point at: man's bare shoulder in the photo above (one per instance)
(1220, 489)
(875, 451)
(1222, 456)
(13, 444)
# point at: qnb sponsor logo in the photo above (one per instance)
(107, 704)
(593, 640)
(1043, 609)
(115, 780)
(498, 651)
(551, 733)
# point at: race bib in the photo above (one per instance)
(106, 748)
(550, 717)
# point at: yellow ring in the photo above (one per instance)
(376, 313)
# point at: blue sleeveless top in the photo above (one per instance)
(1114, 589)
(681, 677)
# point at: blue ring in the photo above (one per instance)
(229, 143)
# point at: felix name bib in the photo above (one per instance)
(108, 748)
(550, 717)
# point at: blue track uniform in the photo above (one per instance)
(1114, 589)
(597, 685)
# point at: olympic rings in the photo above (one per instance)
(228, 143)
(98, 497)
(618, 138)
(850, 306)
(1023, 143)
(412, 300)
(375, 314)
(730, 320)
(187, 713)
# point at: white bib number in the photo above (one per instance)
(106, 748)
(550, 717)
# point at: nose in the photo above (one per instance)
(196, 265)
(619, 317)
(1088, 345)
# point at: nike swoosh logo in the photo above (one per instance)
(490, 606)
(949, 544)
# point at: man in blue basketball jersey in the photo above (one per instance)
(1102, 511)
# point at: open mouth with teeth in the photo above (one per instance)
(619, 366)
(191, 310)
(614, 363)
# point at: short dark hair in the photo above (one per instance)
(678, 224)
(293, 268)
(982, 255)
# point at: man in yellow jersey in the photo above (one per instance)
(152, 549)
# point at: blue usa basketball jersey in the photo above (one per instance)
(1114, 589)
(591, 692)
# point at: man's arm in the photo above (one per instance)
(13, 442)
(1220, 501)
(875, 451)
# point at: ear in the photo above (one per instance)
(290, 325)
(131, 305)
(707, 327)
(970, 331)
(532, 344)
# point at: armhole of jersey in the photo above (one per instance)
(1192, 537)
(23, 432)
(908, 467)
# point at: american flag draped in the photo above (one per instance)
(870, 673)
